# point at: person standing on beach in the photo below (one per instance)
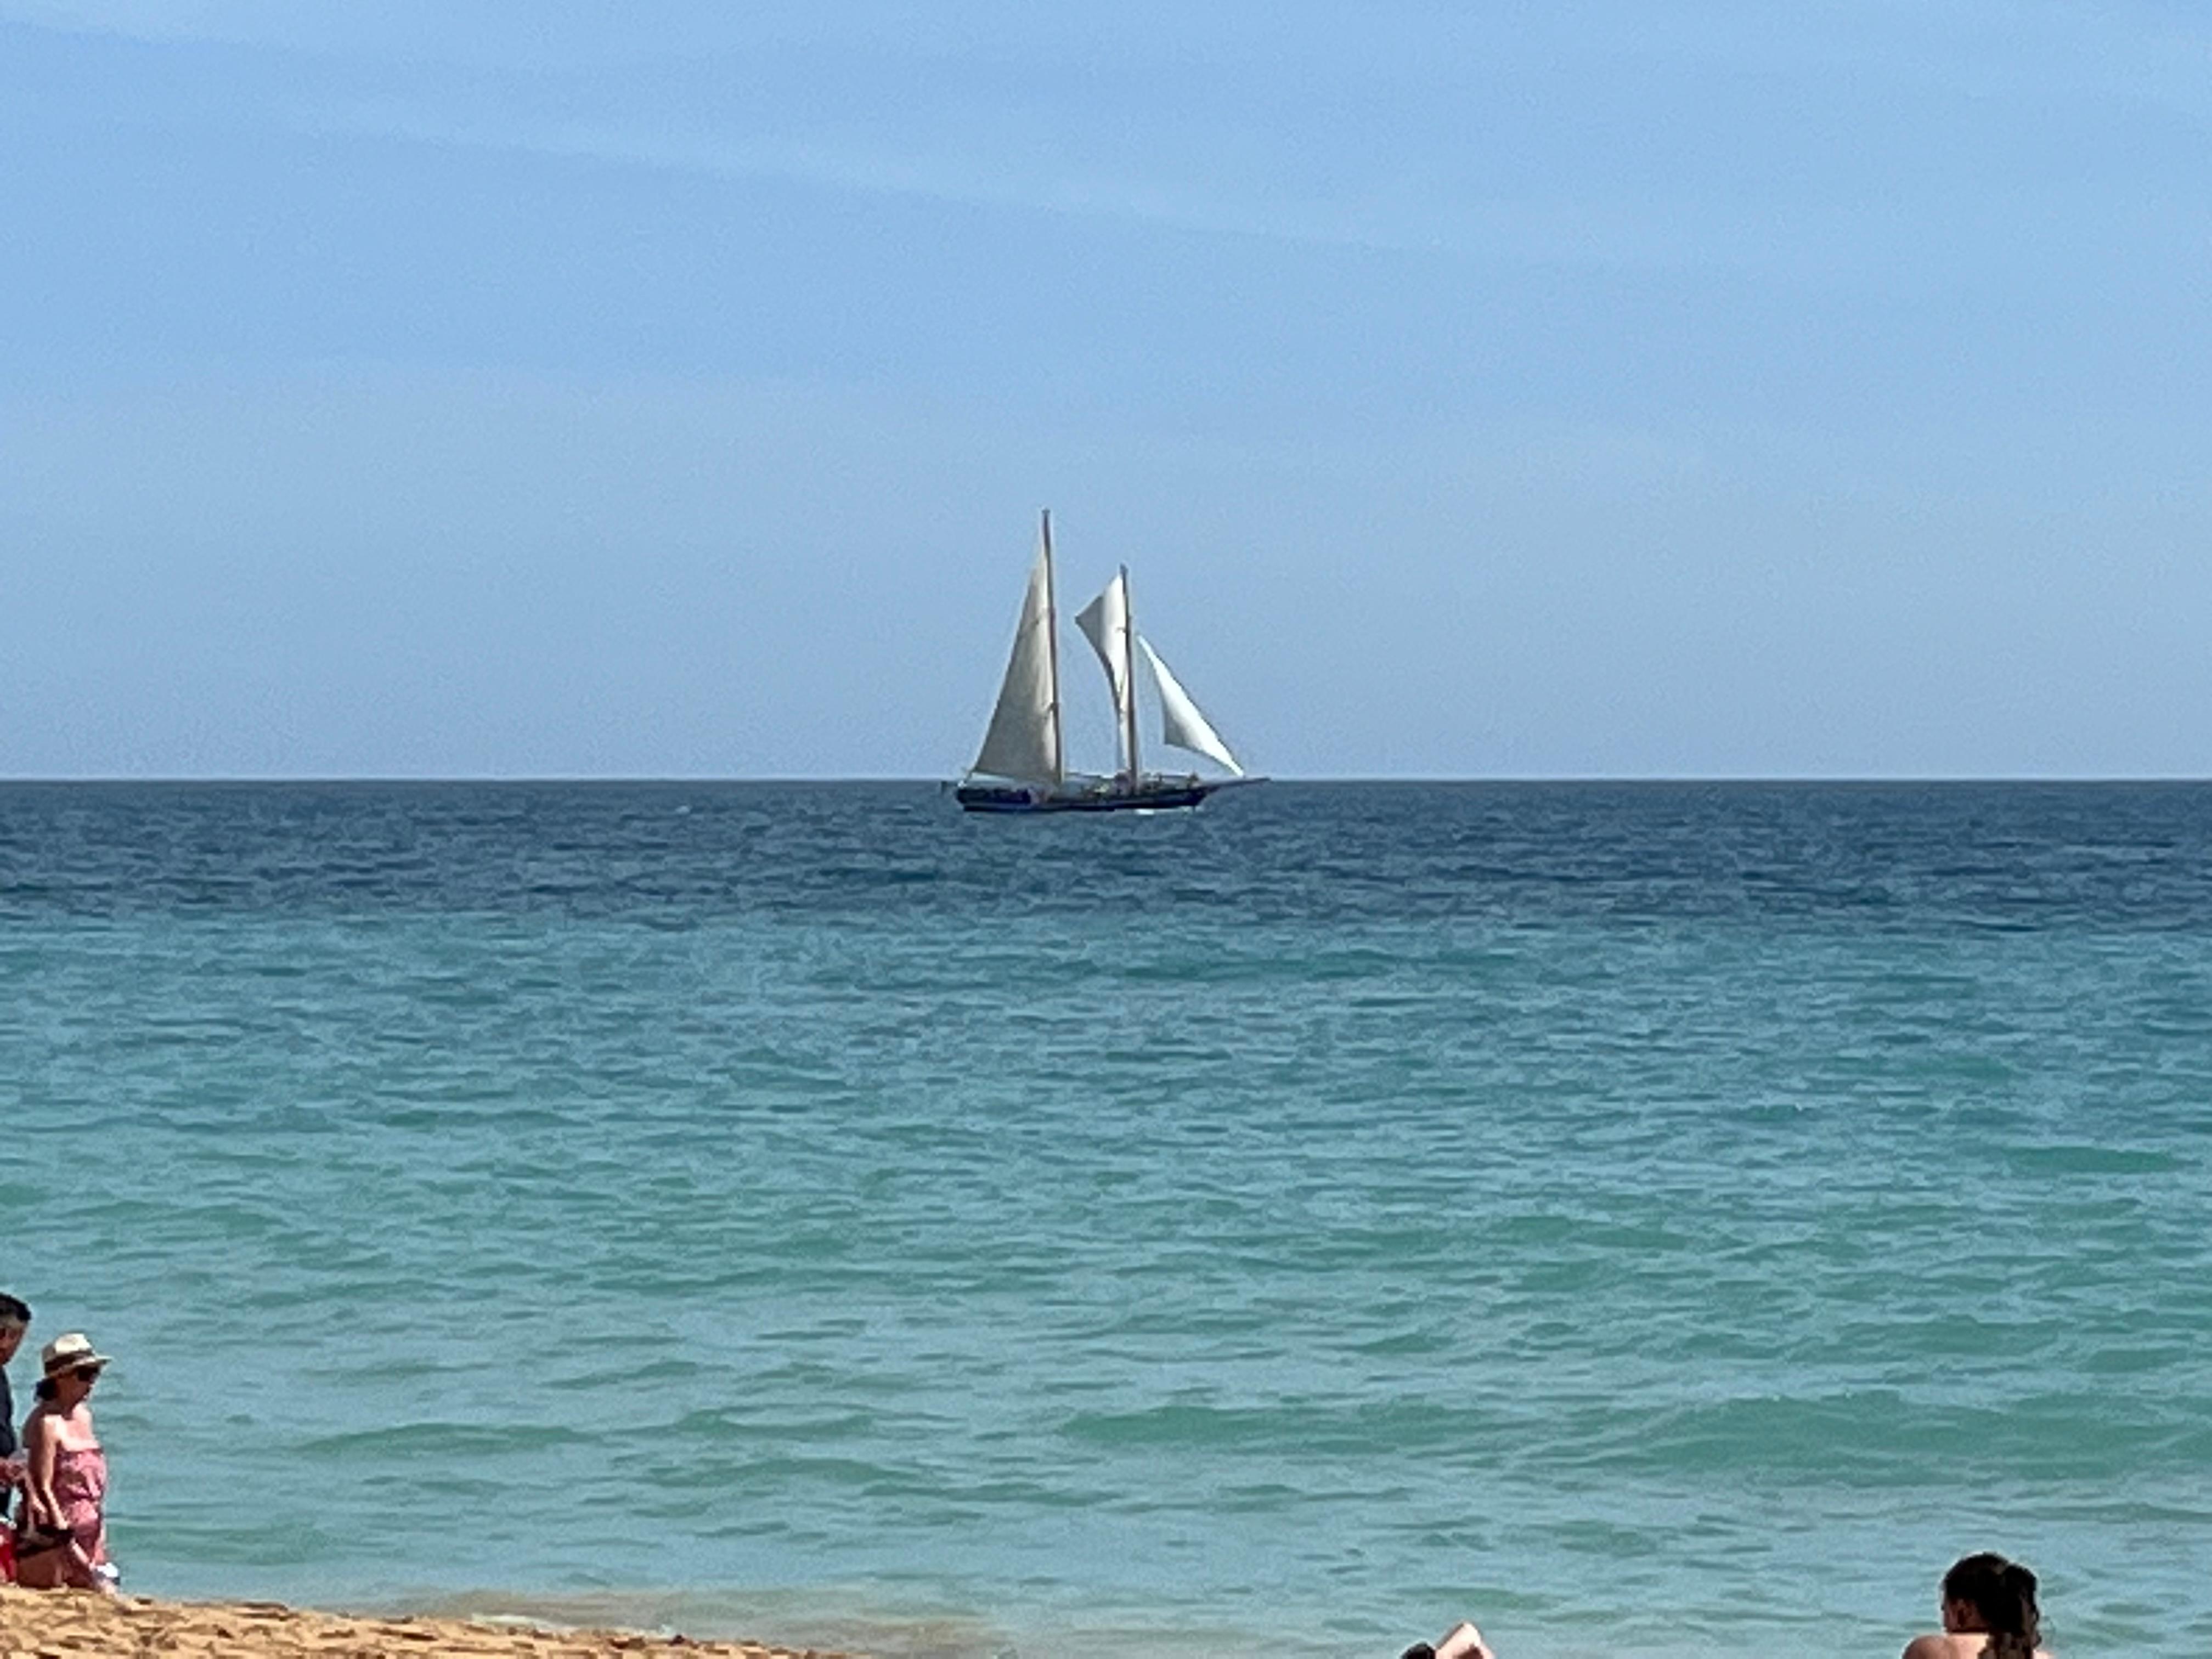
(62, 1542)
(15, 1320)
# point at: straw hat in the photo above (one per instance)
(71, 1351)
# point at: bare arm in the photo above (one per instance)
(1463, 1641)
(41, 1441)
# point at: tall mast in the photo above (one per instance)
(1129, 674)
(1052, 646)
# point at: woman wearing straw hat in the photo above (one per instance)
(63, 1543)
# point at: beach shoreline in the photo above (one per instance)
(80, 1623)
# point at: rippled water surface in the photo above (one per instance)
(1663, 1219)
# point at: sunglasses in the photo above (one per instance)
(87, 1373)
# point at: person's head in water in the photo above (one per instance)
(1987, 1594)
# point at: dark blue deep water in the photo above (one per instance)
(1658, 1218)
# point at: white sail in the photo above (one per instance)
(1180, 723)
(1024, 739)
(1105, 623)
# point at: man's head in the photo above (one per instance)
(15, 1320)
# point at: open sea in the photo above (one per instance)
(1656, 1219)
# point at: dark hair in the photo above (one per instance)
(2004, 1592)
(13, 1310)
(44, 1387)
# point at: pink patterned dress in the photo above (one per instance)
(81, 1489)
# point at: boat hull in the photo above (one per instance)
(1153, 794)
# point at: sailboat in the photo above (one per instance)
(1023, 765)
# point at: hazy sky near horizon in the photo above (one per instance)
(1606, 387)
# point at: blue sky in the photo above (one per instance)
(1576, 388)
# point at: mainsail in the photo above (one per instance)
(1023, 741)
(1105, 623)
(1180, 723)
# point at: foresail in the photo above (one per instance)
(1023, 741)
(1105, 623)
(1180, 723)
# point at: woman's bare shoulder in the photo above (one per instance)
(1933, 1646)
(67, 1431)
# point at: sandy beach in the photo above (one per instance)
(36, 1624)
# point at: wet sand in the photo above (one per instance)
(66, 1625)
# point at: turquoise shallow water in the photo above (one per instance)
(1665, 1219)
